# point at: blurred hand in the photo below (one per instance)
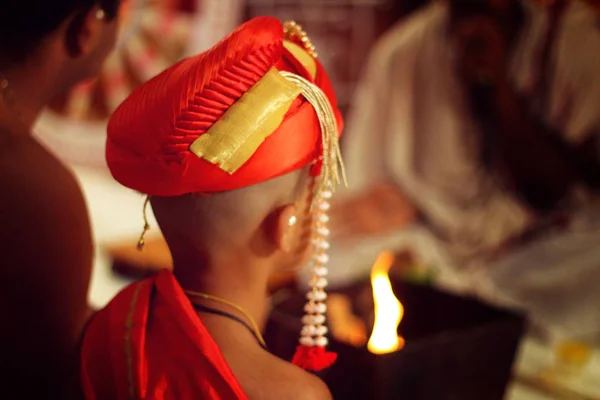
(382, 209)
(482, 51)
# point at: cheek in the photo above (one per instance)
(304, 246)
(303, 233)
(305, 227)
(302, 238)
(298, 258)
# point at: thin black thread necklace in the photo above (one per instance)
(252, 326)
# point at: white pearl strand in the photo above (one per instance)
(314, 329)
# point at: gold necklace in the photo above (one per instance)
(210, 297)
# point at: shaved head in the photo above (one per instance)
(229, 221)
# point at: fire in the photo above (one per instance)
(388, 310)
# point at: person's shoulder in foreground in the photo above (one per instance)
(237, 149)
(45, 237)
(45, 240)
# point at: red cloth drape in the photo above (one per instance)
(148, 343)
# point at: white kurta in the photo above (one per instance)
(410, 124)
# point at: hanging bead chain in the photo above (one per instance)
(314, 330)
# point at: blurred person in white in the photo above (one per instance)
(479, 120)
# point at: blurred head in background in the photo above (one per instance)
(505, 15)
(60, 41)
(482, 34)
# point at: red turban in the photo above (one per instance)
(150, 135)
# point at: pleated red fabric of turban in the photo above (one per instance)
(150, 136)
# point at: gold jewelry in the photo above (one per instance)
(100, 14)
(210, 297)
(292, 30)
(292, 221)
(333, 171)
(142, 241)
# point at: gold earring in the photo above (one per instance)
(142, 241)
(292, 221)
(100, 14)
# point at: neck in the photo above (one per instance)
(27, 92)
(241, 283)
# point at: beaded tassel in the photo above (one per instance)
(311, 354)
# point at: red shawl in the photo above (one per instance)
(149, 343)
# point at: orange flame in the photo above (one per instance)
(388, 310)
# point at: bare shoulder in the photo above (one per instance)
(311, 387)
(23, 157)
(47, 253)
(40, 196)
(292, 383)
(41, 206)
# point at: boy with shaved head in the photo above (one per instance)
(237, 149)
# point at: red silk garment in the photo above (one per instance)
(150, 134)
(149, 343)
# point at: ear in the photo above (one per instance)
(285, 223)
(84, 31)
